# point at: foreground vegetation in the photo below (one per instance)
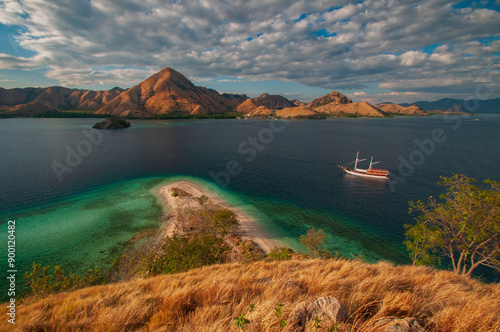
(211, 298)
(464, 227)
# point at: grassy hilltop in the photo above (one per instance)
(210, 298)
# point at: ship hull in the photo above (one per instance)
(364, 174)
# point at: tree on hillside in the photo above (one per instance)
(463, 227)
(313, 240)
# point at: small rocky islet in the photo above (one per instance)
(112, 123)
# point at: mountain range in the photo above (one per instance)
(28, 101)
(168, 92)
(460, 105)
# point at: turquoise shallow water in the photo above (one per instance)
(86, 231)
(345, 236)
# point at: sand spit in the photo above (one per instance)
(248, 228)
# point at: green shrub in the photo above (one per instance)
(251, 251)
(224, 219)
(181, 193)
(137, 257)
(313, 240)
(206, 220)
(42, 282)
(241, 322)
(202, 199)
(181, 253)
(281, 254)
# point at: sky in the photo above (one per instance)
(373, 50)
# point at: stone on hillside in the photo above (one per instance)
(300, 314)
(327, 309)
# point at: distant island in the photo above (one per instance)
(112, 123)
(459, 105)
(170, 95)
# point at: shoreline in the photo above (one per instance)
(248, 228)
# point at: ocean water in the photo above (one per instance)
(79, 194)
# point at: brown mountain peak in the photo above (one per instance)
(167, 91)
(169, 70)
(274, 101)
(248, 106)
(332, 97)
(165, 79)
(168, 73)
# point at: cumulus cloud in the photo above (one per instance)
(200, 79)
(120, 77)
(12, 62)
(412, 58)
(424, 82)
(310, 42)
(446, 58)
(227, 80)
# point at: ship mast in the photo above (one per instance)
(373, 163)
(356, 163)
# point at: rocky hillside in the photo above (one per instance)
(267, 105)
(40, 100)
(297, 102)
(168, 91)
(294, 295)
(274, 101)
(234, 99)
(355, 109)
(300, 112)
(254, 108)
(333, 97)
(402, 110)
(333, 104)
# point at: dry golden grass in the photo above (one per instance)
(209, 298)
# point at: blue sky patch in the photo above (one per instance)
(323, 33)
(9, 44)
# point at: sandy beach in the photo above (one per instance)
(247, 229)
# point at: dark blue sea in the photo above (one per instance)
(77, 194)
